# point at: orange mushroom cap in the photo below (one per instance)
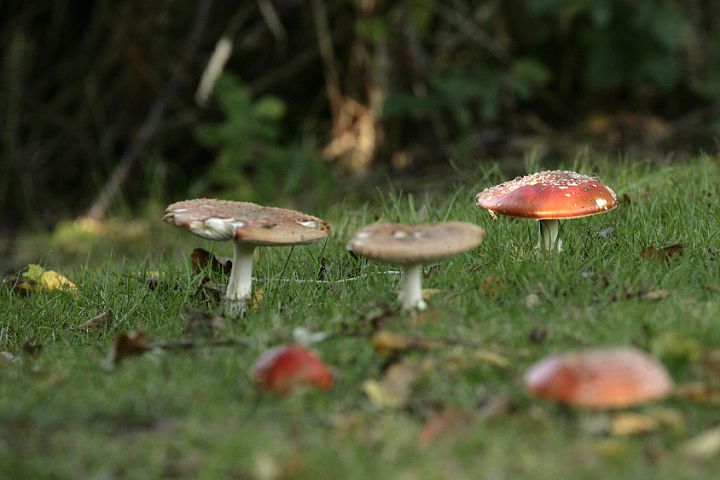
(285, 367)
(553, 194)
(599, 378)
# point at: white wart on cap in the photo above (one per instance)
(249, 225)
(411, 246)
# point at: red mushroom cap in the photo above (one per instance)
(599, 378)
(285, 367)
(553, 194)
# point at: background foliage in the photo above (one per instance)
(317, 89)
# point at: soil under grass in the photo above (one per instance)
(194, 413)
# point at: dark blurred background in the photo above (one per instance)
(109, 104)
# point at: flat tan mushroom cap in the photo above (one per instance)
(553, 194)
(405, 244)
(600, 378)
(248, 222)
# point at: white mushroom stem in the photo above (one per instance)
(549, 230)
(239, 287)
(411, 288)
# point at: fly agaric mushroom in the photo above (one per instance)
(286, 367)
(599, 378)
(249, 226)
(549, 196)
(410, 246)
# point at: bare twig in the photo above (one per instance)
(153, 119)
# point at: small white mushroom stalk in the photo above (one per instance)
(239, 287)
(549, 235)
(247, 225)
(410, 295)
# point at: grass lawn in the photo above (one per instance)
(194, 413)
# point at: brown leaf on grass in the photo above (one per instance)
(643, 293)
(210, 291)
(711, 362)
(492, 286)
(98, 324)
(662, 253)
(31, 349)
(201, 324)
(712, 288)
(377, 318)
(127, 344)
(438, 424)
(201, 258)
(387, 342)
(395, 388)
(628, 199)
(538, 335)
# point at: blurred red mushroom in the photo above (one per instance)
(599, 378)
(286, 367)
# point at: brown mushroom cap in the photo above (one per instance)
(552, 194)
(600, 378)
(407, 244)
(251, 223)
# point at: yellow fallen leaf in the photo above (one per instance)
(387, 342)
(630, 423)
(394, 390)
(429, 292)
(491, 358)
(256, 298)
(37, 279)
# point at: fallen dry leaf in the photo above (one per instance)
(440, 423)
(492, 286)
(703, 446)
(387, 342)
(395, 388)
(126, 345)
(662, 253)
(631, 423)
(31, 349)
(495, 406)
(256, 298)
(489, 357)
(538, 335)
(655, 294)
(98, 324)
(201, 258)
(37, 279)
